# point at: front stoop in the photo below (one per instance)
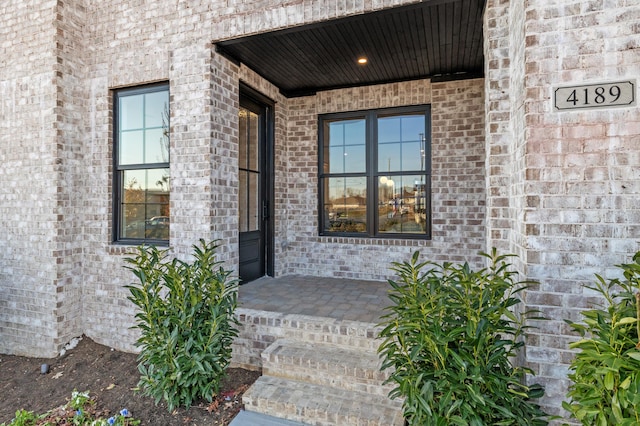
(323, 384)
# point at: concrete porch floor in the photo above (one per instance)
(336, 298)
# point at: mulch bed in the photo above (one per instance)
(111, 378)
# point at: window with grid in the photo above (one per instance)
(375, 170)
(141, 158)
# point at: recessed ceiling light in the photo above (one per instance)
(362, 60)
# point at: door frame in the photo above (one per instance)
(268, 174)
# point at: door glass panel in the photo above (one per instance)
(249, 173)
(242, 207)
(254, 207)
(253, 138)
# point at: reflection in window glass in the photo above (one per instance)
(131, 113)
(145, 207)
(156, 146)
(345, 146)
(156, 109)
(394, 197)
(131, 147)
(346, 206)
(400, 143)
(243, 218)
(142, 163)
(403, 204)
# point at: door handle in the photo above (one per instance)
(265, 210)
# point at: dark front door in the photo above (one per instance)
(254, 194)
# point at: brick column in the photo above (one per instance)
(204, 121)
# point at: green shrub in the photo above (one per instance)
(450, 337)
(187, 322)
(79, 411)
(605, 374)
(23, 418)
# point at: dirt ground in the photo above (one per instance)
(111, 377)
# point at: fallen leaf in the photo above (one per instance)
(111, 386)
(57, 375)
(213, 406)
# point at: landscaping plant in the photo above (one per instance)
(79, 411)
(450, 338)
(187, 323)
(605, 373)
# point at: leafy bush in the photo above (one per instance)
(450, 337)
(79, 411)
(187, 322)
(606, 370)
(23, 418)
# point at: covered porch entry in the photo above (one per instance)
(315, 338)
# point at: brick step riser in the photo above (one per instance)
(326, 365)
(259, 329)
(339, 407)
(351, 383)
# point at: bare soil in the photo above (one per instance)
(111, 378)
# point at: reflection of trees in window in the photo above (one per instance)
(142, 145)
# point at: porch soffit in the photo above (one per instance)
(438, 39)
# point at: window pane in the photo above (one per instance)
(402, 207)
(346, 205)
(131, 108)
(354, 132)
(389, 157)
(132, 221)
(344, 146)
(156, 109)
(354, 159)
(156, 146)
(389, 129)
(412, 156)
(412, 127)
(131, 147)
(401, 143)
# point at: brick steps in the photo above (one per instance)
(327, 365)
(320, 405)
(317, 371)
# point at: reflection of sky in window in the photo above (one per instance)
(347, 146)
(141, 123)
(156, 105)
(399, 144)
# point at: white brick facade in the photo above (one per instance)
(559, 189)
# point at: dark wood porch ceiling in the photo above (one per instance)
(438, 39)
